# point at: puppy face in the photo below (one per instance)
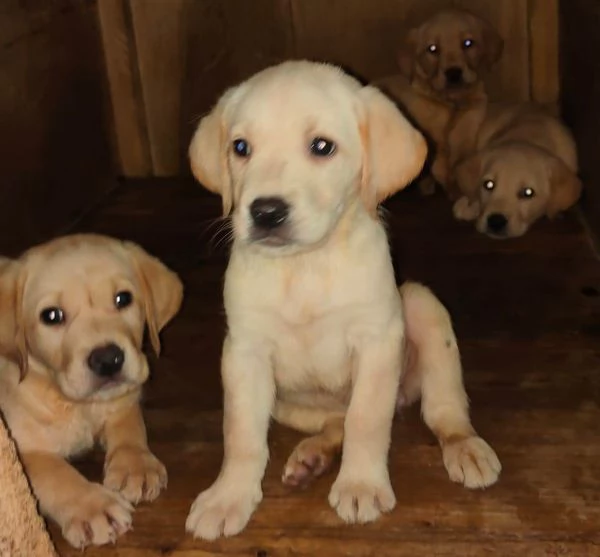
(515, 186)
(294, 148)
(82, 303)
(449, 52)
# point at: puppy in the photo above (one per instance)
(513, 164)
(442, 63)
(71, 330)
(302, 154)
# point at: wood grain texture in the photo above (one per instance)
(159, 39)
(526, 312)
(54, 150)
(544, 45)
(128, 107)
(187, 52)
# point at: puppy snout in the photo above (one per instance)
(496, 223)
(106, 361)
(454, 75)
(269, 212)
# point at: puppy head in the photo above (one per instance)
(449, 52)
(77, 309)
(292, 149)
(515, 185)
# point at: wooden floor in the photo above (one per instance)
(527, 315)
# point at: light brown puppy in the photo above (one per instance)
(512, 164)
(442, 63)
(302, 154)
(71, 370)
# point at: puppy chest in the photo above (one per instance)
(312, 358)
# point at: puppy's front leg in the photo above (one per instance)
(362, 490)
(225, 508)
(130, 468)
(88, 513)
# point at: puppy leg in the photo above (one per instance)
(130, 468)
(314, 455)
(468, 458)
(362, 490)
(88, 513)
(463, 209)
(225, 507)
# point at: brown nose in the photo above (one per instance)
(106, 361)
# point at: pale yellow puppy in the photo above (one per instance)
(71, 370)
(302, 154)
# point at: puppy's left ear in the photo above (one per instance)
(493, 43)
(161, 288)
(565, 188)
(394, 151)
(13, 344)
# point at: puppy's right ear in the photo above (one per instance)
(565, 188)
(13, 345)
(406, 55)
(208, 152)
(467, 175)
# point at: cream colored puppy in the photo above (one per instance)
(71, 371)
(302, 154)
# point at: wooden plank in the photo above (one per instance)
(544, 51)
(160, 54)
(129, 116)
(365, 36)
(54, 153)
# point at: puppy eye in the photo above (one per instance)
(241, 148)
(468, 43)
(489, 185)
(526, 193)
(52, 316)
(123, 299)
(322, 147)
(432, 49)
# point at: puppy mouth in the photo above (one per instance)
(271, 238)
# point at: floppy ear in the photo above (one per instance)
(161, 288)
(565, 188)
(208, 152)
(394, 151)
(406, 54)
(13, 345)
(493, 43)
(467, 175)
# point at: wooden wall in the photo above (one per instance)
(55, 157)
(168, 61)
(580, 70)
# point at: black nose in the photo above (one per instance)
(269, 212)
(454, 76)
(106, 361)
(496, 223)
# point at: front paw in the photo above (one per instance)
(135, 473)
(361, 500)
(97, 517)
(471, 462)
(222, 510)
(463, 209)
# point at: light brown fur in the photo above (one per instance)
(55, 407)
(422, 87)
(316, 325)
(520, 148)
